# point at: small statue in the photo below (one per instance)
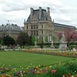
(63, 43)
(35, 44)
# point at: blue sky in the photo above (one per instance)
(62, 11)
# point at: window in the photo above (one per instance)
(37, 33)
(42, 26)
(42, 31)
(36, 26)
(26, 27)
(34, 33)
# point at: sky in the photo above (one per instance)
(61, 11)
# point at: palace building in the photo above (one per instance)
(39, 24)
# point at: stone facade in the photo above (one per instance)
(10, 29)
(39, 24)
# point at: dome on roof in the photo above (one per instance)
(10, 27)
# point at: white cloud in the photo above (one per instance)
(17, 10)
(65, 18)
(55, 2)
(68, 9)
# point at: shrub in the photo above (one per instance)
(7, 40)
(72, 66)
(72, 46)
(60, 70)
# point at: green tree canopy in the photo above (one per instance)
(7, 40)
(24, 39)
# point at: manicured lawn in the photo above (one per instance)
(16, 59)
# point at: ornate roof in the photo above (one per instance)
(10, 27)
(44, 14)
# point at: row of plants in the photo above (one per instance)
(53, 52)
(22, 39)
(61, 69)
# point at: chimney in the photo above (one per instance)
(53, 21)
(40, 12)
(31, 12)
(48, 13)
(24, 21)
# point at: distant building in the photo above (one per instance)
(39, 24)
(10, 29)
(61, 27)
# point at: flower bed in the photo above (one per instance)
(64, 69)
(52, 52)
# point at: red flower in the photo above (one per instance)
(18, 72)
(69, 75)
(53, 71)
(46, 71)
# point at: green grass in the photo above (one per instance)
(24, 59)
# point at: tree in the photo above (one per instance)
(59, 34)
(1, 40)
(70, 35)
(24, 39)
(7, 40)
(33, 39)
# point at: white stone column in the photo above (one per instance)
(35, 42)
(40, 12)
(31, 13)
(48, 39)
(52, 46)
(44, 39)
